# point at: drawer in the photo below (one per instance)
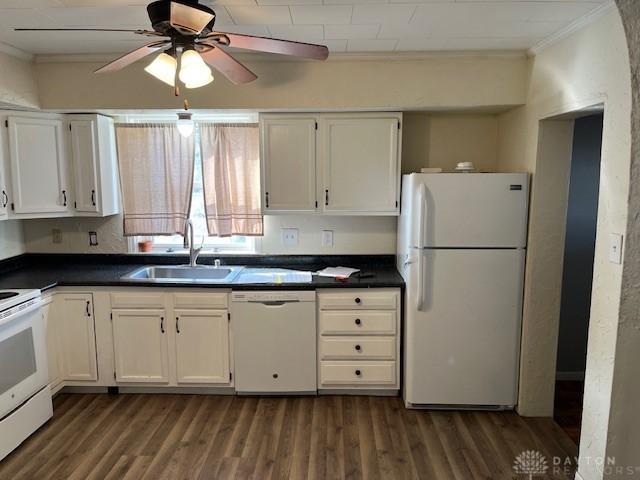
(358, 323)
(358, 300)
(137, 300)
(201, 300)
(354, 348)
(356, 373)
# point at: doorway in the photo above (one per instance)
(577, 276)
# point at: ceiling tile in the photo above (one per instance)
(271, 15)
(214, 3)
(259, 30)
(373, 45)
(326, 14)
(353, 2)
(351, 31)
(300, 33)
(335, 45)
(105, 17)
(289, 2)
(382, 13)
(470, 43)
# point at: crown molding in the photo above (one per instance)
(333, 57)
(16, 52)
(574, 26)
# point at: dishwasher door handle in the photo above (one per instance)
(274, 303)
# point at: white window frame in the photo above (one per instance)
(253, 244)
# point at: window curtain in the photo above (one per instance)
(156, 176)
(231, 179)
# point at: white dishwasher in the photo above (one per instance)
(274, 341)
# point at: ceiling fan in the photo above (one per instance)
(184, 35)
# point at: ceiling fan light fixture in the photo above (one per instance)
(163, 68)
(194, 73)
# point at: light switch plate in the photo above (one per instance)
(615, 248)
(327, 238)
(289, 237)
(93, 239)
(56, 235)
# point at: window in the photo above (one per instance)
(175, 243)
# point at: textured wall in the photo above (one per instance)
(623, 441)
(11, 239)
(17, 82)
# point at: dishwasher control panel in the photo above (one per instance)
(274, 296)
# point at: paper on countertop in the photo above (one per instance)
(274, 275)
(342, 272)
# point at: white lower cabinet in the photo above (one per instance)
(74, 312)
(202, 346)
(359, 341)
(52, 339)
(140, 346)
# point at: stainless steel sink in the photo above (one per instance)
(184, 273)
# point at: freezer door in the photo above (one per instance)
(469, 210)
(463, 343)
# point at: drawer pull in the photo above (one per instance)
(358, 347)
(358, 300)
(358, 372)
(358, 321)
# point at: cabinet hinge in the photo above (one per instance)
(69, 127)
(396, 203)
(13, 207)
(230, 376)
(228, 316)
(6, 123)
(114, 375)
(75, 204)
(111, 316)
(316, 203)
(398, 124)
(316, 125)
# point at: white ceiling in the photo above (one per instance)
(342, 25)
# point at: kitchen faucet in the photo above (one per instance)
(188, 239)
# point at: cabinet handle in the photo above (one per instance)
(266, 199)
(88, 311)
(177, 324)
(93, 198)
(326, 197)
(162, 324)
(358, 372)
(64, 198)
(358, 347)
(357, 300)
(358, 321)
(5, 198)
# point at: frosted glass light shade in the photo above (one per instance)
(163, 68)
(194, 72)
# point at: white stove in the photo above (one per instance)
(25, 398)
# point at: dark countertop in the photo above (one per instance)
(45, 271)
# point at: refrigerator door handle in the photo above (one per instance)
(420, 298)
(422, 211)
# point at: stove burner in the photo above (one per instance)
(6, 295)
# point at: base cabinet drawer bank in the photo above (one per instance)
(168, 339)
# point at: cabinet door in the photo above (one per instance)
(4, 193)
(202, 346)
(84, 148)
(77, 336)
(361, 171)
(38, 166)
(54, 360)
(140, 346)
(288, 152)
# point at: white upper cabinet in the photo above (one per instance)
(38, 163)
(94, 165)
(360, 164)
(333, 164)
(4, 189)
(288, 152)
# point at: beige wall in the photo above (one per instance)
(428, 82)
(589, 67)
(17, 82)
(11, 239)
(443, 140)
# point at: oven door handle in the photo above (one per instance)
(19, 312)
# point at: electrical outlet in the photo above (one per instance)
(327, 238)
(56, 235)
(93, 239)
(289, 236)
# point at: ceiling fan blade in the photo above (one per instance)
(189, 20)
(227, 65)
(144, 32)
(273, 45)
(133, 56)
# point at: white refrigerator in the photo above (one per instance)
(461, 251)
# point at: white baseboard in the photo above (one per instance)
(570, 376)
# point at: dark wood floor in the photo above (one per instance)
(568, 407)
(206, 437)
